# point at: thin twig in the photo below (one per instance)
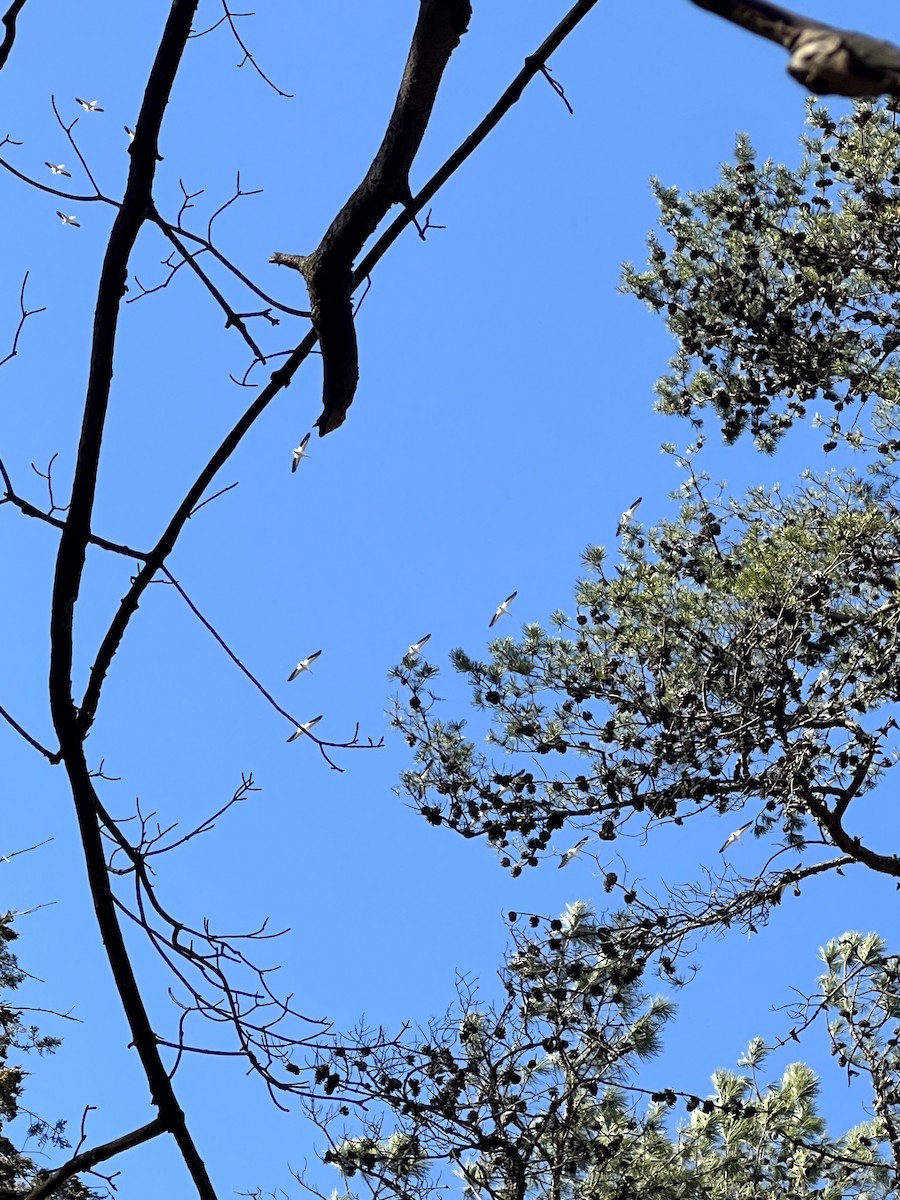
(25, 313)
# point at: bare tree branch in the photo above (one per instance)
(88, 1159)
(51, 756)
(328, 270)
(824, 59)
(24, 314)
(70, 564)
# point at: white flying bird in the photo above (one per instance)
(58, 169)
(414, 649)
(89, 105)
(303, 665)
(567, 857)
(67, 220)
(627, 515)
(734, 837)
(502, 609)
(305, 728)
(300, 453)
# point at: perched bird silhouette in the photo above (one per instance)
(414, 649)
(824, 59)
(734, 837)
(303, 665)
(67, 220)
(300, 453)
(89, 105)
(627, 515)
(502, 610)
(304, 728)
(58, 169)
(567, 857)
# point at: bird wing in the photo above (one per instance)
(733, 837)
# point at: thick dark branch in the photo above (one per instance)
(70, 562)
(764, 19)
(88, 1159)
(135, 206)
(328, 269)
(534, 65)
(886, 864)
(9, 20)
(824, 59)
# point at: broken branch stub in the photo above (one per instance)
(328, 271)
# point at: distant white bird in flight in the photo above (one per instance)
(58, 169)
(300, 453)
(414, 649)
(502, 610)
(567, 857)
(734, 837)
(627, 515)
(304, 728)
(67, 220)
(89, 105)
(303, 665)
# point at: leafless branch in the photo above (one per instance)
(352, 744)
(214, 496)
(231, 17)
(51, 756)
(86, 1160)
(25, 313)
(74, 540)
(48, 477)
(9, 21)
(824, 59)
(328, 270)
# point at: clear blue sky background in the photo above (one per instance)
(503, 420)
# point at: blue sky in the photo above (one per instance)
(503, 421)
